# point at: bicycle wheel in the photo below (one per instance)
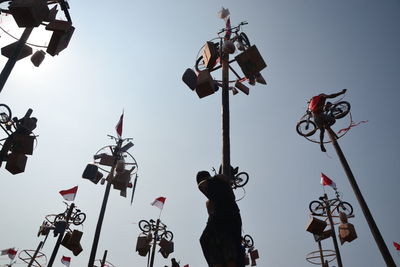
(144, 226)
(345, 207)
(248, 241)
(316, 207)
(244, 40)
(340, 109)
(306, 128)
(241, 179)
(168, 235)
(5, 113)
(79, 218)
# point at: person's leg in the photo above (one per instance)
(321, 139)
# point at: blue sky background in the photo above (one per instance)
(132, 55)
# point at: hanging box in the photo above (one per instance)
(62, 33)
(107, 160)
(23, 144)
(254, 254)
(142, 245)
(250, 61)
(28, 13)
(121, 180)
(189, 77)
(347, 232)
(316, 226)
(16, 163)
(9, 50)
(205, 84)
(210, 55)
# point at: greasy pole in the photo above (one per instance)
(226, 161)
(364, 207)
(335, 243)
(153, 249)
(60, 236)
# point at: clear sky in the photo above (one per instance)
(131, 56)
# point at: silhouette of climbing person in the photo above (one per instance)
(322, 117)
(221, 238)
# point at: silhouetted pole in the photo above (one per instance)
(35, 254)
(364, 207)
(103, 261)
(60, 236)
(14, 57)
(153, 249)
(226, 161)
(335, 243)
(321, 254)
(103, 207)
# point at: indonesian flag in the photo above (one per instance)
(66, 260)
(118, 128)
(159, 202)
(11, 253)
(326, 181)
(69, 194)
(187, 265)
(396, 245)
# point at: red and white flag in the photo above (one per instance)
(326, 181)
(66, 260)
(187, 265)
(396, 245)
(159, 202)
(69, 194)
(11, 253)
(118, 128)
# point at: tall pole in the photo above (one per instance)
(364, 207)
(35, 254)
(99, 224)
(226, 161)
(103, 206)
(103, 261)
(60, 236)
(321, 254)
(153, 249)
(14, 57)
(335, 243)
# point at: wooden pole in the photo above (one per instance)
(363, 204)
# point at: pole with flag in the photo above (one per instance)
(396, 245)
(66, 260)
(118, 127)
(69, 194)
(159, 203)
(325, 180)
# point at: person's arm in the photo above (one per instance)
(336, 94)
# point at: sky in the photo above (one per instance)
(131, 58)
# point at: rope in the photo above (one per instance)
(12, 36)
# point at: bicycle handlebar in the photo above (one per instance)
(234, 28)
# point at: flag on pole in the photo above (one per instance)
(69, 194)
(11, 253)
(326, 181)
(187, 265)
(159, 202)
(118, 128)
(396, 245)
(66, 260)
(4, 251)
